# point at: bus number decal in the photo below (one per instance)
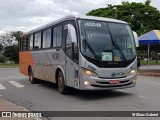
(91, 68)
(56, 56)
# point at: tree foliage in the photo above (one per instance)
(1, 47)
(141, 16)
(2, 58)
(11, 52)
(11, 38)
(9, 42)
(16, 34)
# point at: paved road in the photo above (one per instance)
(44, 96)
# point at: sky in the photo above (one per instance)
(25, 15)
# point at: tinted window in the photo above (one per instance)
(31, 42)
(39, 40)
(36, 41)
(44, 39)
(48, 39)
(55, 37)
(25, 43)
(21, 44)
(59, 36)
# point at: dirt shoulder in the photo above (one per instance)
(155, 73)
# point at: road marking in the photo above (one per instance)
(122, 91)
(12, 78)
(2, 87)
(153, 82)
(18, 85)
(144, 97)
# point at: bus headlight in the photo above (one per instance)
(89, 72)
(132, 72)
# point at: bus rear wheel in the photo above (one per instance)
(32, 80)
(61, 85)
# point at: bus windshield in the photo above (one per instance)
(105, 41)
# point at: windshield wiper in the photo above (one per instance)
(117, 46)
(90, 48)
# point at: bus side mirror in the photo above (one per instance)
(72, 33)
(136, 38)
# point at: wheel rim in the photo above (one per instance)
(60, 83)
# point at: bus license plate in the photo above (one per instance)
(114, 81)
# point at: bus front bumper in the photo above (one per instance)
(92, 83)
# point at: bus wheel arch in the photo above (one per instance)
(60, 81)
(29, 67)
(56, 75)
(32, 80)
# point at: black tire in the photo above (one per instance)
(61, 85)
(32, 80)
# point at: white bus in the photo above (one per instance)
(83, 52)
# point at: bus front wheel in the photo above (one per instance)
(31, 77)
(61, 85)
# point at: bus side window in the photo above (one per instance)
(31, 42)
(57, 36)
(22, 44)
(39, 39)
(35, 41)
(22, 48)
(48, 39)
(25, 43)
(44, 39)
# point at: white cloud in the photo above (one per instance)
(156, 3)
(27, 14)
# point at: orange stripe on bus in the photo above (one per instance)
(25, 59)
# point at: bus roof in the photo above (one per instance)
(74, 17)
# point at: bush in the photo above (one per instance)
(2, 59)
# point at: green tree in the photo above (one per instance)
(2, 58)
(16, 34)
(11, 49)
(141, 16)
(11, 52)
(1, 47)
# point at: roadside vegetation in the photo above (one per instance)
(2, 65)
(9, 49)
(151, 62)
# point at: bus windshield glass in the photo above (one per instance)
(105, 41)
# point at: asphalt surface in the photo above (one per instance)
(44, 96)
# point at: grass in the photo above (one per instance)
(151, 62)
(2, 65)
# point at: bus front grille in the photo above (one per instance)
(102, 86)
